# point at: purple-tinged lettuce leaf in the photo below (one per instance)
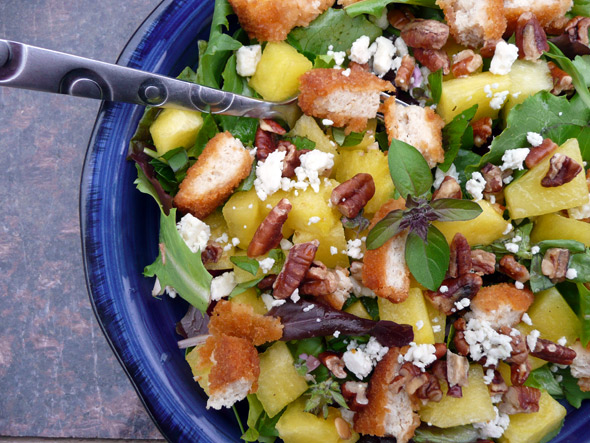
(193, 324)
(148, 183)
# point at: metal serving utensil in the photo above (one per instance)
(30, 67)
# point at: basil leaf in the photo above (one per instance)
(409, 171)
(450, 209)
(250, 265)
(372, 307)
(572, 245)
(352, 139)
(301, 142)
(453, 136)
(248, 182)
(543, 378)
(375, 7)
(538, 281)
(179, 267)
(581, 264)
(435, 82)
(584, 313)
(279, 257)
(384, 229)
(428, 261)
(242, 287)
(567, 65)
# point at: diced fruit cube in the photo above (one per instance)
(333, 239)
(297, 426)
(527, 78)
(174, 128)
(556, 227)
(307, 127)
(525, 197)
(475, 405)
(532, 428)
(279, 383)
(438, 321)
(412, 311)
(372, 162)
(242, 214)
(277, 74)
(462, 93)
(200, 374)
(359, 310)
(307, 204)
(368, 138)
(483, 230)
(250, 297)
(218, 227)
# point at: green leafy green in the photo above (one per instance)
(457, 434)
(409, 171)
(143, 185)
(450, 209)
(261, 427)
(571, 389)
(372, 307)
(543, 378)
(244, 286)
(188, 75)
(206, 133)
(301, 142)
(435, 82)
(385, 229)
(179, 267)
(538, 281)
(323, 394)
(310, 346)
(279, 257)
(584, 313)
(568, 66)
(581, 264)
(248, 182)
(453, 136)
(549, 437)
(572, 245)
(375, 7)
(352, 139)
(524, 244)
(428, 260)
(142, 134)
(250, 265)
(334, 27)
(580, 7)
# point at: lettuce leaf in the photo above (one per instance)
(453, 136)
(543, 378)
(573, 394)
(375, 7)
(179, 267)
(581, 7)
(584, 313)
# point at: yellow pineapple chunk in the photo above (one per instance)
(556, 227)
(333, 239)
(372, 162)
(462, 93)
(279, 383)
(532, 428)
(309, 204)
(525, 197)
(527, 78)
(250, 297)
(438, 320)
(242, 214)
(412, 311)
(307, 127)
(359, 310)
(200, 374)
(483, 230)
(297, 426)
(218, 227)
(475, 406)
(277, 74)
(175, 128)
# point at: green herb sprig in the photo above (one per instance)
(323, 394)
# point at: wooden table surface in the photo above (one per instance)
(58, 376)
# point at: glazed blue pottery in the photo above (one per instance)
(120, 236)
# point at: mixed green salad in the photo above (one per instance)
(417, 270)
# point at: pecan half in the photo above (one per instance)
(513, 269)
(530, 37)
(553, 352)
(400, 17)
(520, 399)
(520, 367)
(403, 78)
(449, 188)
(557, 26)
(352, 195)
(538, 153)
(296, 266)
(489, 48)
(464, 286)
(498, 385)
(562, 81)
(269, 233)
(460, 256)
(266, 283)
(483, 262)
(577, 30)
(562, 170)
(440, 350)
(455, 391)
(465, 62)
(410, 377)
(265, 142)
(459, 341)
(334, 363)
(212, 253)
(430, 390)
(355, 394)
(425, 34)
(433, 59)
(554, 264)
(439, 368)
(269, 125)
(319, 280)
(457, 369)
(292, 157)
(482, 131)
(493, 177)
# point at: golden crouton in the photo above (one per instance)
(234, 366)
(475, 22)
(502, 304)
(546, 11)
(417, 126)
(389, 413)
(240, 320)
(272, 20)
(221, 167)
(347, 100)
(384, 269)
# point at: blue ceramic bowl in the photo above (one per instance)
(119, 238)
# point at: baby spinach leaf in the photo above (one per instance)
(409, 171)
(428, 260)
(538, 281)
(334, 27)
(572, 245)
(453, 136)
(179, 267)
(581, 264)
(385, 229)
(451, 209)
(571, 389)
(250, 265)
(435, 82)
(188, 75)
(584, 313)
(543, 378)
(279, 257)
(352, 139)
(301, 142)
(375, 7)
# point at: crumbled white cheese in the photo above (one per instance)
(157, 290)
(420, 355)
(194, 232)
(336, 334)
(485, 341)
(531, 339)
(222, 285)
(419, 325)
(580, 212)
(346, 72)
(360, 359)
(514, 159)
(308, 308)
(498, 100)
(535, 250)
(514, 332)
(269, 174)
(475, 186)
(436, 328)
(443, 289)
(313, 164)
(353, 249)
(402, 48)
(295, 297)
(361, 50)
(338, 56)
(285, 244)
(333, 250)
(235, 241)
(313, 220)
(504, 56)
(247, 59)
(562, 341)
(494, 428)
(360, 290)
(227, 247)
(487, 89)
(512, 247)
(270, 302)
(266, 264)
(462, 304)
(518, 285)
(327, 122)
(439, 175)
(526, 319)
(507, 180)
(383, 58)
(508, 229)
(222, 239)
(534, 138)
(488, 377)
(571, 274)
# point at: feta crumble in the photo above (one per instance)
(485, 341)
(194, 232)
(266, 264)
(353, 249)
(420, 355)
(361, 359)
(518, 285)
(338, 56)
(383, 58)
(443, 289)
(535, 250)
(526, 319)
(308, 308)
(285, 244)
(475, 186)
(462, 304)
(514, 159)
(504, 56)
(535, 139)
(269, 174)
(531, 339)
(512, 247)
(419, 325)
(270, 302)
(580, 212)
(562, 341)
(361, 50)
(295, 297)
(571, 274)
(333, 250)
(494, 428)
(346, 72)
(313, 220)
(498, 100)
(222, 285)
(402, 48)
(488, 377)
(436, 328)
(247, 58)
(439, 175)
(327, 122)
(313, 164)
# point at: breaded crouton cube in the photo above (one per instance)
(234, 366)
(416, 126)
(272, 20)
(240, 320)
(221, 167)
(546, 11)
(502, 304)
(384, 269)
(581, 366)
(473, 22)
(389, 413)
(347, 100)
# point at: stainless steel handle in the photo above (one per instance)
(29, 67)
